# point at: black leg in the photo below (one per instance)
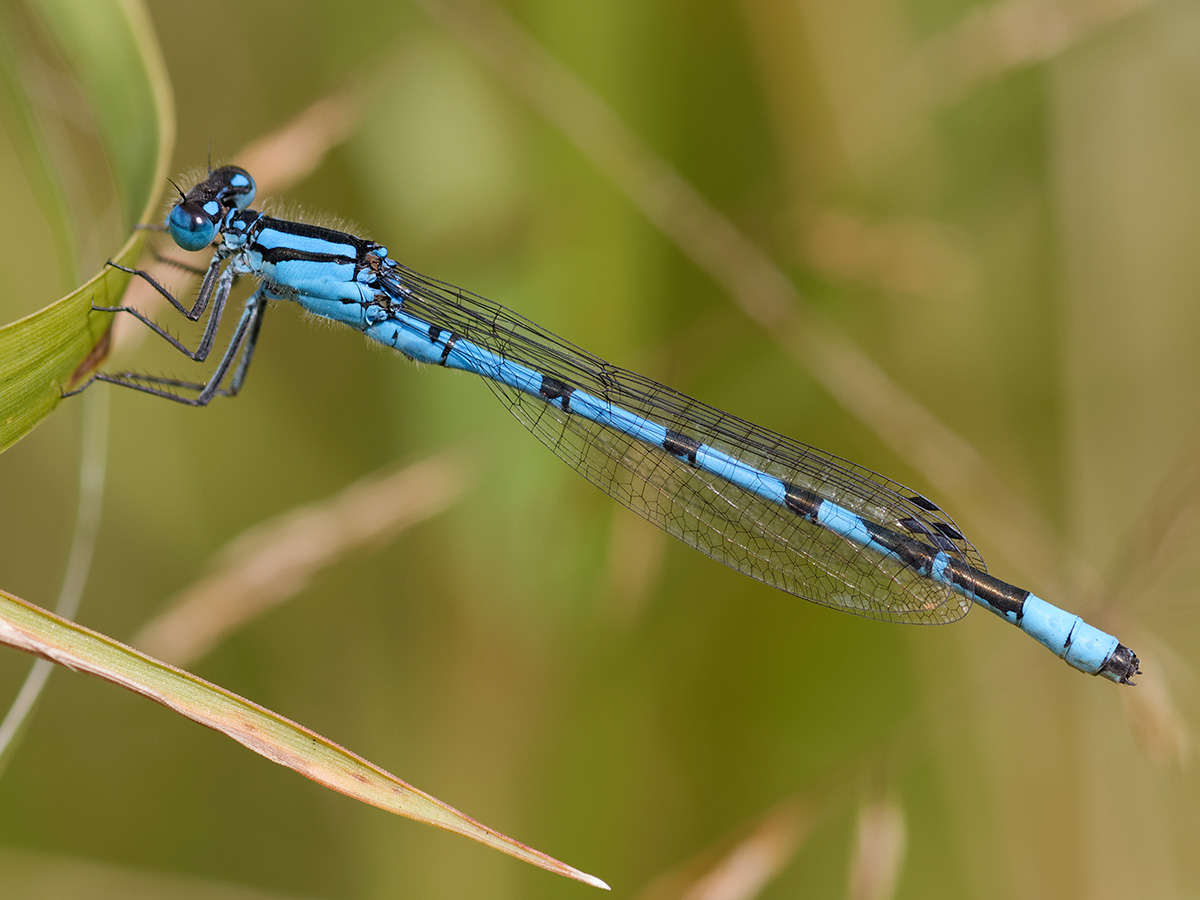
(202, 298)
(215, 288)
(239, 375)
(243, 342)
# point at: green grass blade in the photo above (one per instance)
(115, 59)
(54, 350)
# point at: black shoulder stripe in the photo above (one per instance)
(275, 255)
(315, 232)
(357, 247)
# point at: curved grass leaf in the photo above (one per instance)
(55, 349)
(34, 630)
(112, 52)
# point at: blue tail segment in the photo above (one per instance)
(788, 514)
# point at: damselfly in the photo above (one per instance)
(790, 515)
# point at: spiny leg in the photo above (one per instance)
(215, 289)
(243, 342)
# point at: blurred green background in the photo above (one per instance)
(997, 204)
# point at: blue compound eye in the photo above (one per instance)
(191, 227)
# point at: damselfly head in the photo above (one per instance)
(195, 221)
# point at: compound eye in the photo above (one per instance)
(191, 227)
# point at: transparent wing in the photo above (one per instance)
(765, 540)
